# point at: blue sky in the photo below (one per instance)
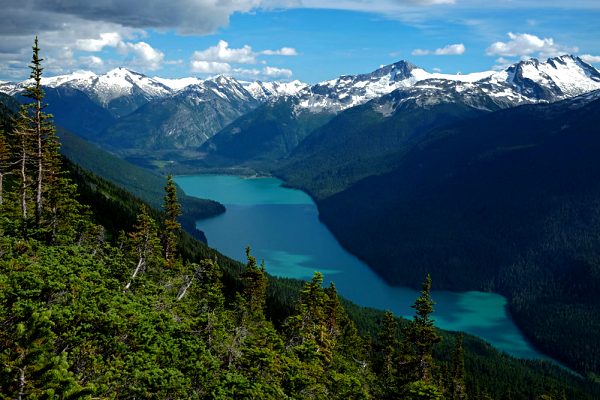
(309, 40)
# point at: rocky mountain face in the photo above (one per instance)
(184, 120)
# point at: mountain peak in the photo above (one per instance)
(123, 71)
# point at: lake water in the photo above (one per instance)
(282, 227)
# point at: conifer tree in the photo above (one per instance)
(457, 382)
(145, 243)
(46, 157)
(307, 327)
(24, 150)
(5, 163)
(42, 187)
(387, 346)
(173, 210)
(255, 286)
(420, 333)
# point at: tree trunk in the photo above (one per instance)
(185, 287)
(24, 183)
(22, 383)
(135, 272)
(40, 169)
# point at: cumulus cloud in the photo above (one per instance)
(144, 55)
(218, 59)
(526, 45)
(274, 72)
(588, 58)
(222, 53)
(210, 67)
(225, 54)
(449, 50)
(108, 39)
(92, 62)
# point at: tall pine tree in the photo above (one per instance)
(172, 209)
(420, 334)
(5, 163)
(457, 381)
(145, 244)
(47, 198)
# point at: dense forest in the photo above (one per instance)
(503, 201)
(104, 297)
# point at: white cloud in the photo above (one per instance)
(108, 39)
(92, 62)
(218, 59)
(525, 45)
(144, 55)
(274, 72)
(449, 50)
(420, 52)
(588, 58)
(210, 67)
(223, 53)
(502, 63)
(265, 73)
(284, 51)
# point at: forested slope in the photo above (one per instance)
(505, 202)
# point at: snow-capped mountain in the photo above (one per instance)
(119, 90)
(399, 92)
(352, 90)
(179, 113)
(178, 83)
(122, 91)
(526, 82)
(558, 78)
(267, 90)
(184, 120)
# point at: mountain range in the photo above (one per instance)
(175, 120)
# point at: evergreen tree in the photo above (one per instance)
(387, 346)
(307, 327)
(255, 283)
(46, 157)
(42, 185)
(24, 152)
(145, 243)
(420, 334)
(457, 381)
(5, 163)
(172, 209)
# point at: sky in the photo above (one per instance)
(308, 40)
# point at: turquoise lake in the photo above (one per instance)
(282, 226)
